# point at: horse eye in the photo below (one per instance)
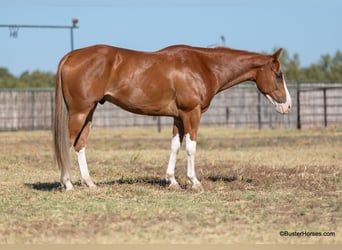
(279, 76)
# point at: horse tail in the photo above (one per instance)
(60, 124)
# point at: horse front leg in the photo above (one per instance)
(177, 137)
(190, 153)
(191, 123)
(170, 172)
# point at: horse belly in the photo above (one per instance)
(138, 101)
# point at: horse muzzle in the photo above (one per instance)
(284, 107)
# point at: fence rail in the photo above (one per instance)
(314, 105)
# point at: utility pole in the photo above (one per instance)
(14, 29)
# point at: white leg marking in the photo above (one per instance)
(82, 162)
(190, 152)
(170, 172)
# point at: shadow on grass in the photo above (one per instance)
(218, 178)
(153, 181)
(147, 180)
(45, 186)
(56, 186)
(227, 179)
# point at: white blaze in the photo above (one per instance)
(285, 107)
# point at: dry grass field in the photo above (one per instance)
(259, 187)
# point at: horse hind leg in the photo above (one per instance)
(65, 178)
(81, 157)
(79, 131)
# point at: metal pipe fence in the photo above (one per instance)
(242, 106)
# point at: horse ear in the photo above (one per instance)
(277, 54)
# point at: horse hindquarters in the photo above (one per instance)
(71, 129)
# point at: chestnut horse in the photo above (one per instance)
(178, 81)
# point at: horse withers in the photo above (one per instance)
(178, 81)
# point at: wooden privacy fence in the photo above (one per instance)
(314, 105)
(26, 109)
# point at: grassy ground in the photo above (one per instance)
(257, 184)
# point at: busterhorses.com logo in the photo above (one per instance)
(306, 234)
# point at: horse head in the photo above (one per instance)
(271, 82)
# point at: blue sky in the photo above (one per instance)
(310, 28)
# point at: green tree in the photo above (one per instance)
(37, 79)
(291, 66)
(335, 74)
(7, 80)
(34, 79)
(327, 69)
(313, 73)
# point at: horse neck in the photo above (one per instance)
(232, 67)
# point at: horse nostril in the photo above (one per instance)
(279, 100)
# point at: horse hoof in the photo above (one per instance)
(174, 186)
(89, 183)
(68, 186)
(197, 188)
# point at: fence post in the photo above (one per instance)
(52, 108)
(32, 107)
(227, 115)
(159, 124)
(259, 111)
(325, 107)
(299, 125)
